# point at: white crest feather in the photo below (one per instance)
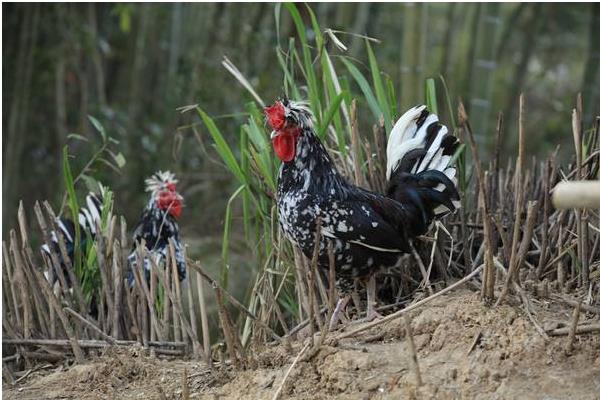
(159, 181)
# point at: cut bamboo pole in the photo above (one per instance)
(203, 316)
(117, 275)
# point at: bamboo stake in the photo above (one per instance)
(203, 317)
(118, 289)
(573, 329)
(413, 352)
(10, 272)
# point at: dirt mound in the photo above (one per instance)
(465, 350)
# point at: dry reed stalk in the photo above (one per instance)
(117, 275)
(203, 318)
(573, 303)
(518, 190)
(532, 211)
(412, 351)
(140, 280)
(8, 270)
(171, 265)
(104, 271)
(332, 280)
(153, 316)
(581, 329)
(311, 271)
(55, 263)
(578, 139)
(167, 307)
(573, 328)
(489, 271)
(132, 314)
(47, 290)
(411, 307)
(176, 301)
(228, 331)
(287, 373)
(76, 286)
(547, 179)
(198, 268)
(142, 316)
(303, 301)
(7, 293)
(87, 323)
(192, 311)
(424, 273)
(22, 287)
(185, 391)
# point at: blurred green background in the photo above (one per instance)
(132, 65)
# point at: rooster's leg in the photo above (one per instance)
(341, 305)
(372, 299)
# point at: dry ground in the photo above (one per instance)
(465, 350)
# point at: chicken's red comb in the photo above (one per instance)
(276, 115)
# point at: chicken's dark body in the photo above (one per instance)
(310, 188)
(366, 230)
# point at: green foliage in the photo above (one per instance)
(86, 268)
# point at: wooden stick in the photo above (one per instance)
(90, 324)
(60, 313)
(118, 289)
(287, 374)
(10, 272)
(103, 266)
(21, 286)
(203, 318)
(412, 350)
(86, 343)
(233, 300)
(588, 328)
(573, 328)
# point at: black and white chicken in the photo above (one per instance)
(366, 230)
(157, 225)
(89, 220)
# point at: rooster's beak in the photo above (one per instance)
(274, 134)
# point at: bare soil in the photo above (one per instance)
(465, 351)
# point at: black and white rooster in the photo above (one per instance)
(366, 230)
(158, 224)
(89, 219)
